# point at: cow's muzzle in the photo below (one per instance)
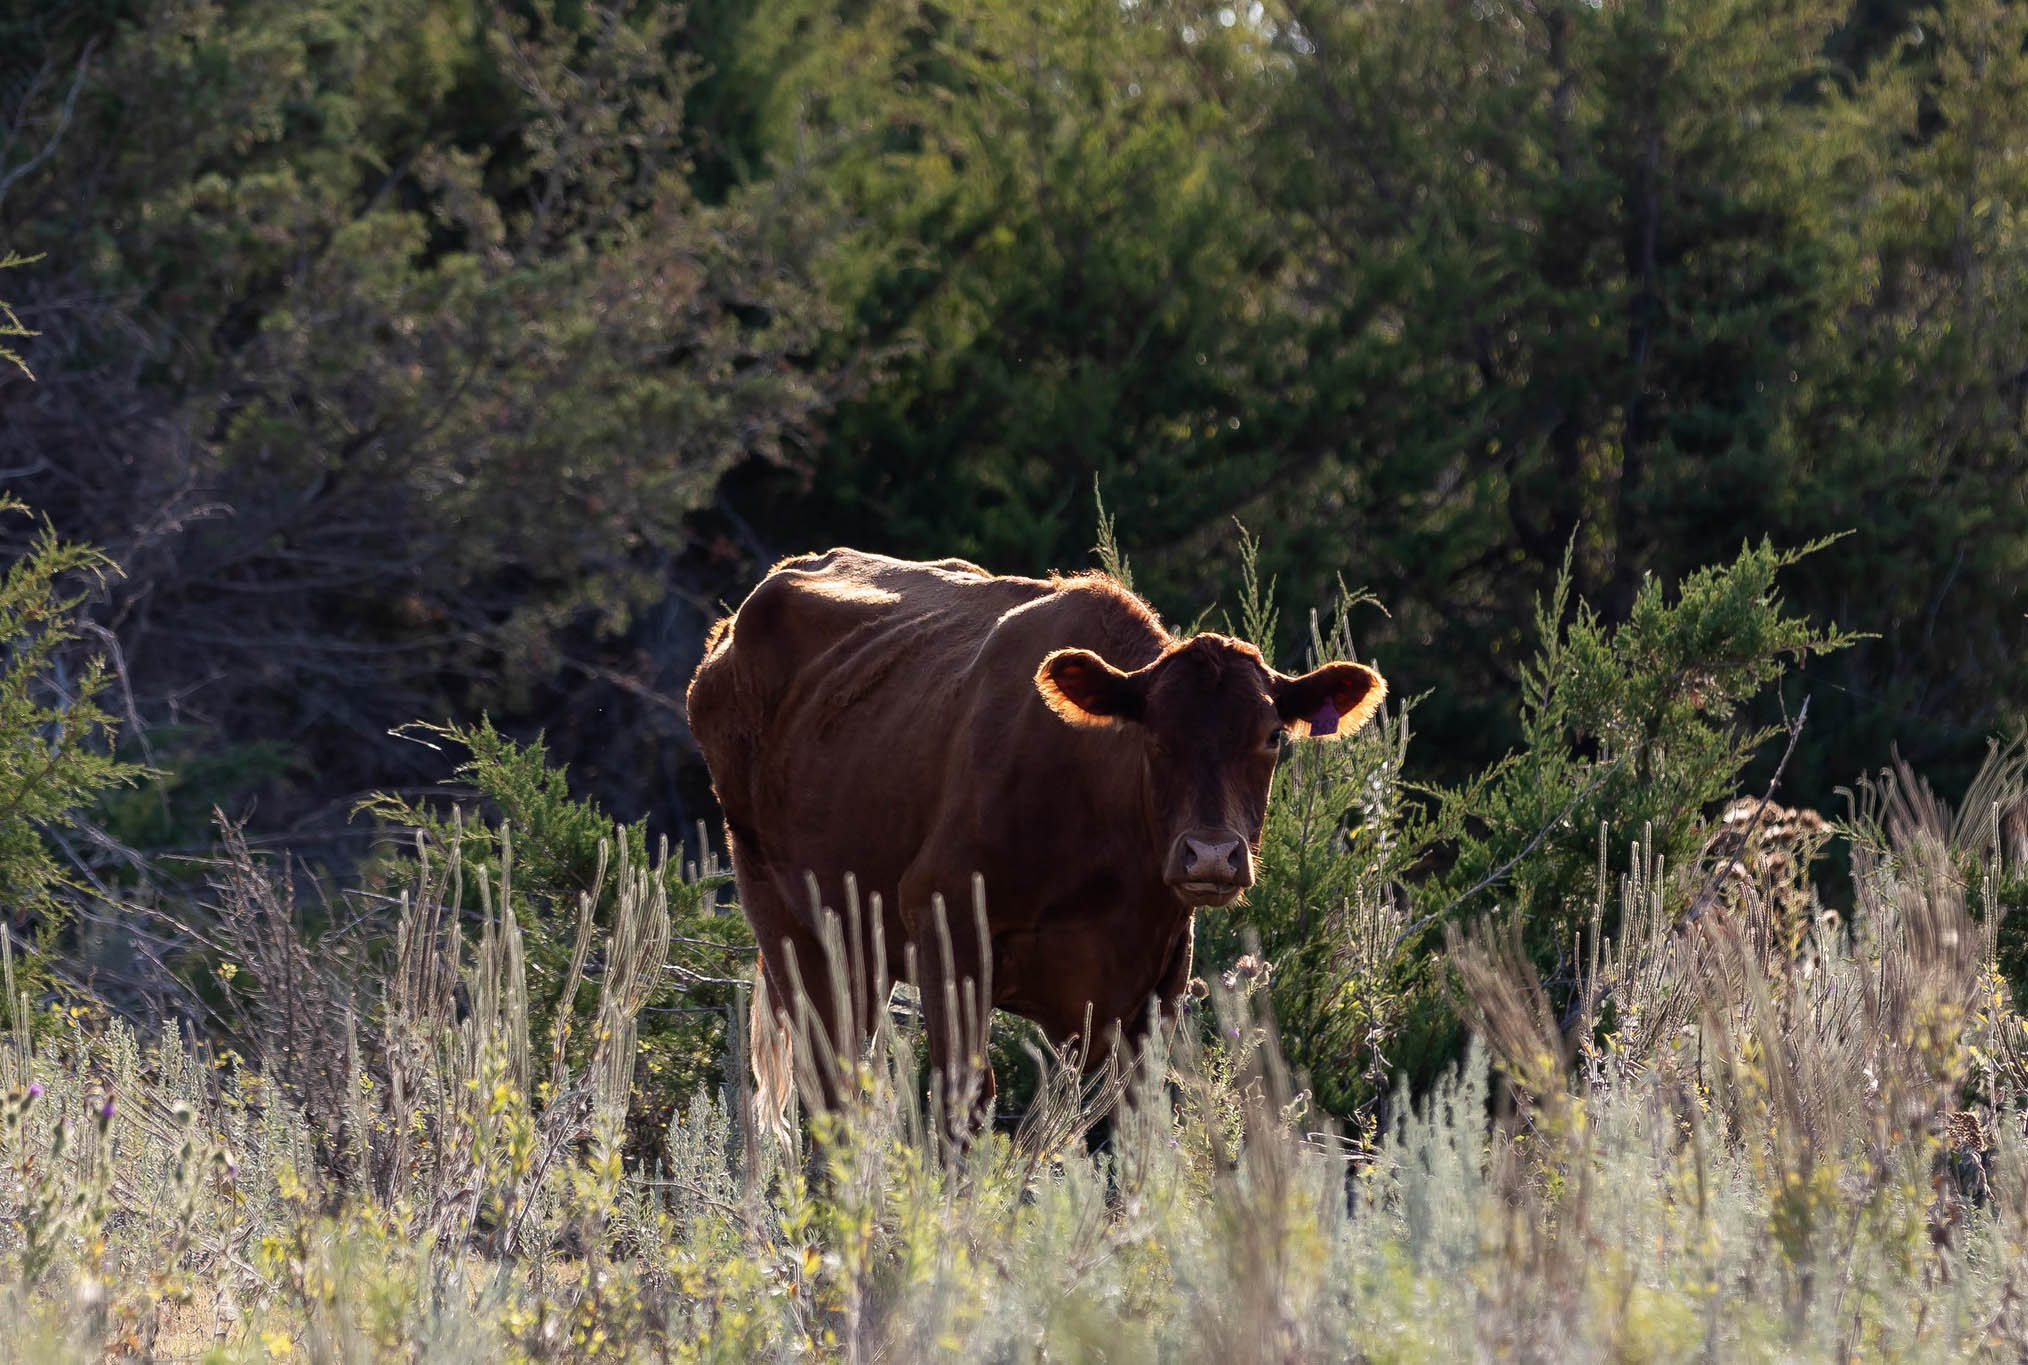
(1210, 866)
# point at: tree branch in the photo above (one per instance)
(62, 123)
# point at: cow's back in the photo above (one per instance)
(827, 704)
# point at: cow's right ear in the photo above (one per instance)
(1086, 690)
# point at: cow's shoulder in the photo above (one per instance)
(1082, 611)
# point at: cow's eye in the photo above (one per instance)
(1273, 744)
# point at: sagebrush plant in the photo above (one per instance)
(1816, 1158)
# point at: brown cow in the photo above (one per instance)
(916, 724)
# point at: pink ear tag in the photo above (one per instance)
(1325, 722)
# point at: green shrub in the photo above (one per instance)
(55, 742)
(1630, 732)
(562, 852)
(1641, 729)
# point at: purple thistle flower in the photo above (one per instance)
(35, 1091)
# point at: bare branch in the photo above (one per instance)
(62, 123)
(118, 659)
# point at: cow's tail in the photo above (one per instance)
(774, 1075)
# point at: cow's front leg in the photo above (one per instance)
(1172, 983)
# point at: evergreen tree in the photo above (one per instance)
(1553, 270)
(388, 347)
(1908, 418)
(1053, 253)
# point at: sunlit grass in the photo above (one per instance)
(1818, 1155)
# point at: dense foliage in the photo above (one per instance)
(422, 356)
(1479, 281)
(386, 346)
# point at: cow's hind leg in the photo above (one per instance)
(786, 1000)
(816, 1038)
(774, 1061)
(957, 1007)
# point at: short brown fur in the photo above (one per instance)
(894, 720)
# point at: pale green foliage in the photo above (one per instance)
(10, 324)
(1791, 1177)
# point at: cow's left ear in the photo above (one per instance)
(1086, 690)
(1330, 701)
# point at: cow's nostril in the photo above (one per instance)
(1216, 860)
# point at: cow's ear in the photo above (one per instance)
(1086, 690)
(1330, 701)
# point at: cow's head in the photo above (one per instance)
(1211, 716)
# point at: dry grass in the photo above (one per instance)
(1758, 1135)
